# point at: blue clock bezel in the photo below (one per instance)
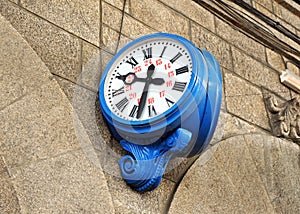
(171, 111)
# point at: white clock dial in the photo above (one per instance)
(148, 79)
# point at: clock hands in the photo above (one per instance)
(150, 72)
(131, 77)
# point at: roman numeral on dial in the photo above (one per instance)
(147, 53)
(151, 111)
(176, 57)
(121, 105)
(133, 112)
(182, 70)
(179, 86)
(163, 51)
(132, 61)
(169, 102)
(116, 92)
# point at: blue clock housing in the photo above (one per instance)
(184, 130)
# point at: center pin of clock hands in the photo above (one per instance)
(133, 78)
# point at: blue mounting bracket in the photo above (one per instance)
(143, 171)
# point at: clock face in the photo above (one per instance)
(147, 79)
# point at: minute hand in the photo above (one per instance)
(150, 72)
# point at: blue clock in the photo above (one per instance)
(161, 98)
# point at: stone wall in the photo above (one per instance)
(76, 39)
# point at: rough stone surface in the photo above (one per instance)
(266, 3)
(15, 1)
(131, 29)
(109, 39)
(91, 66)
(134, 29)
(193, 11)
(275, 60)
(81, 19)
(241, 178)
(111, 16)
(119, 4)
(18, 77)
(2, 165)
(164, 19)
(234, 126)
(29, 120)
(266, 11)
(245, 101)
(66, 183)
(228, 126)
(214, 44)
(240, 40)
(127, 201)
(286, 15)
(37, 126)
(257, 73)
(66, 86)
(277, 162)
(8, 197)
(59, 50)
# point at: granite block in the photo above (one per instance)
(119, 4)
(266, 3)
(15, 1)
(227, 183)
(207, 189)
(87, 108)
(234, 126)
(91, 67)
(275, 60)
(66, 86)
(124, 40)
(257, 73)
(237, 162)
(245, 101)
(105, 58)
(277, 161)
(8, 198)
(67, 183)
(128, 201)
(265, 9)
(80, 19)
(206, 40)
(109, 39)
(193, 11)
(163, 19)
(37, 127)
(240, 40)
(59, 50)
(131, 27)
(286, 14)
(134, 29)
(112, 42)
(111, 16)
(2, 165)
(177, 168)
(228, 126)
(21, 69)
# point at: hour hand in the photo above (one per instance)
(128, 79)
(131, 77)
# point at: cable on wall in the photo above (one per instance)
(231, 16)
(121, 26)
